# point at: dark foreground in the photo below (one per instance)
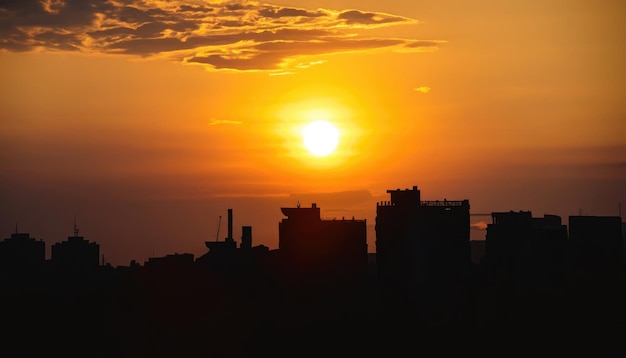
(192, 312)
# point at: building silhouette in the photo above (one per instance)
(329, 249)
(76, 253)
(596, 240)
(170, 261)
(520, 247)
(624, 238)
(246, 238)
(21, 252)
(478, 250)
(421, 241)
(229, 244)
(225, 256)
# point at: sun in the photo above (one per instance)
(320, 137)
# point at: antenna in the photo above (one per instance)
(75, 227)
(219, 223)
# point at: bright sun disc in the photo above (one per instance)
(320, 138)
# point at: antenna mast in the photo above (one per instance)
(75, 227)
(218, 228)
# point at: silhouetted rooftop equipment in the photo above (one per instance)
(431, 203)
(219, 223)
(75, 227)
(229, 243)
(230, 225)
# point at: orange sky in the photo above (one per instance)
(148, 121)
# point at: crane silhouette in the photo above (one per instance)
(219, 223)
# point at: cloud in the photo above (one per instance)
(356, 17)
(481, 225)
(215, 122)
(234, 35)
(422, 89)
(286, 54)
(273, 12)
(281, 73)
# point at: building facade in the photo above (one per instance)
(522, 248)
(329, 248)
(420, 241)
(596, 240)
(76, 253)
(22, 252)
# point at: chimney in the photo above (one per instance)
(246, 237)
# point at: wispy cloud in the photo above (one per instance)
(481, 225)
(422, 89)
(216, 122)
(235, 35)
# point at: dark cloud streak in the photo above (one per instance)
(356, 17)
(288, 12)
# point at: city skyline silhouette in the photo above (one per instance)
(268, 235)
(322, 279)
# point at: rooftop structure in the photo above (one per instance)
(21, 251)
(76, 253)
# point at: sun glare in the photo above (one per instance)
(320, 137)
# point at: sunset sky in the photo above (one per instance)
(146, 120)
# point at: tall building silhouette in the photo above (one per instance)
(22, 252)
(246, 238)
(521, 247)
(76, 253)
(309, 245)
(419, 241)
